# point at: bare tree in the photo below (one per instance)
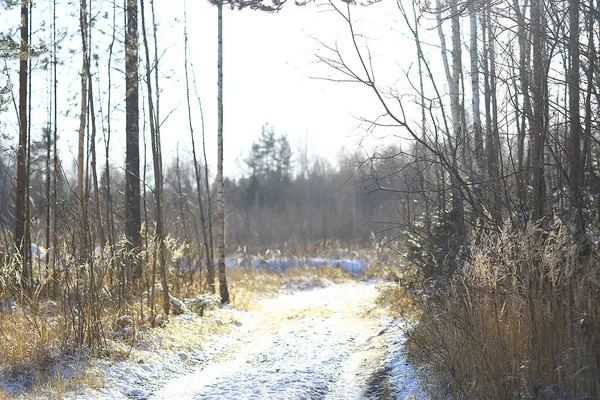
(83, 112)
(538, 122)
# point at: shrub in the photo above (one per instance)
(520, 320)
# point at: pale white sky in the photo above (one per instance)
(269, 60)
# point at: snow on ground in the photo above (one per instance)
(402, 375)
(324, 343)
(282, 264)
(296, 352)
(320, 344)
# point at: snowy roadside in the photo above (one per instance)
(162, 354)
(402, 375)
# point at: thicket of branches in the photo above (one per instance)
(504, 145)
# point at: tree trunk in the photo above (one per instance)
(493, 140)
(455, 138)
(133, 218)
(55, 153)
(109, 204)
(223, 290)
(478, 134)
(527, 114)
(537, 125)
(83, 112)
(20, 217)
(574, 118)
(157, 158)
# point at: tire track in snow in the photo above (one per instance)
(318, 344)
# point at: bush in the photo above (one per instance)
(520, 320)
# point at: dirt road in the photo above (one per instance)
(325, 343)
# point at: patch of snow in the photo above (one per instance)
(352, 266)
(402, 375)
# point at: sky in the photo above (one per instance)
(271, 75)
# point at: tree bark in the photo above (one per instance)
(133, 218)
(574, 118)
(83, 112)
(157, 158)
(455, 138)
(478, 133)
(20, 217)
(537, 125)
(223, 290)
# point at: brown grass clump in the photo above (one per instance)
(520, 321)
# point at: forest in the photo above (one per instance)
(477, 209)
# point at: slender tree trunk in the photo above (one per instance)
(48, 138)
(83, 111)
(586, 162)
(97, 212)
(538, 126)
(55, 153)
(181, 199)
(30, 257)
(156, 156)
(20, 217)
(422, 149)
(527, 114)
(455, 138)
(48, 191)
(478, 133)
(133, 219)
(223, 290)
(88, 103)
(109, 204)
(493, 140)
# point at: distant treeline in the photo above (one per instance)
(285, 198)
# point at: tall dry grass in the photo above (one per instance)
(521, 320)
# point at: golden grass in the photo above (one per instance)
(520, 321)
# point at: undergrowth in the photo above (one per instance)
(519, 321)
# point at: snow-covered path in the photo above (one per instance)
(320, 344)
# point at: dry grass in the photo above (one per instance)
(247, 285)
(520, 321)
(39, 351)
(398, 296)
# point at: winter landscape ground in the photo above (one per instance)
(316, 338)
